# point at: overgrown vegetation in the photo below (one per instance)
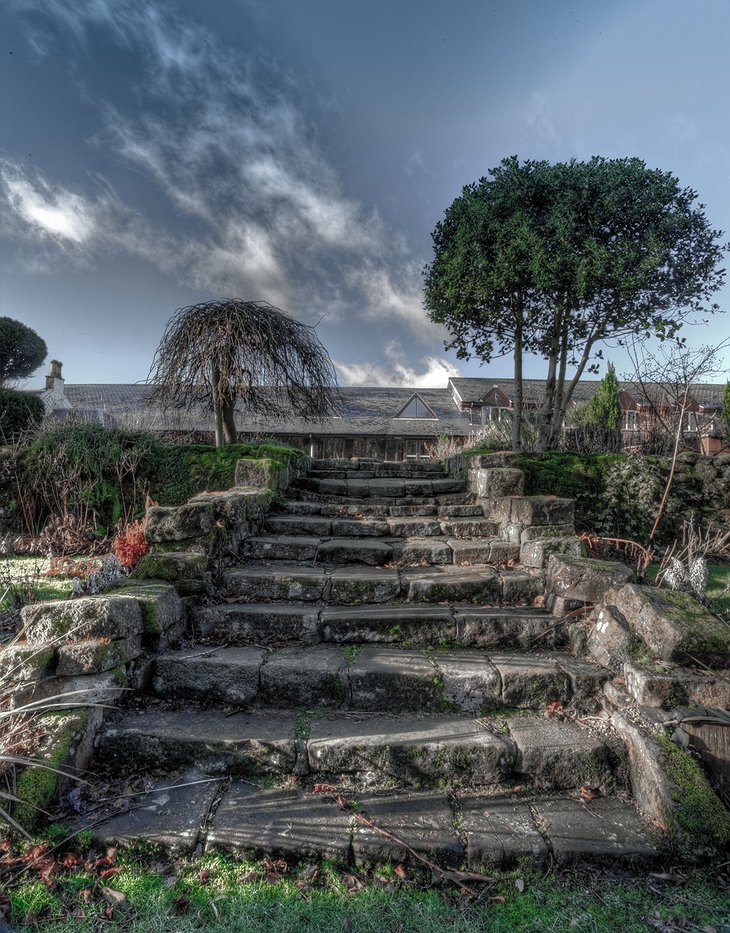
(92, 477)
(219, 895)
(19, 411)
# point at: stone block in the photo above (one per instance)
(603, 828)
(554, 755)
(502, 459)
(423, 821)
(304, 676)
(583, 578)
(469, 527)
(217, 675)
(530, 682)
(537, 552)
(358, 585)
(163, 613)
(281, 547)
(21, 663)
(430, 750)
(259, 623)
(410, 552)
(359, 528)
(87, 617)
(265, 473)
(94, 656)
(469, 681)
(293, 582)
(494, 482)
(673, 625)
(373, 552)
(414, 527)
(467, 553)
(482, 627)
(520, 587)
(500, 833)
(390, 679)
(609, 639)
(418, 625)
(186, 571)
(450, 584)
(279, 823)
(178, 523)
(542, 510)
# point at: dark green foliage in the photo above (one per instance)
(18, 412)
(726, 409)
(555, 259)
(21, 350)
(99, 475)
(603, 412)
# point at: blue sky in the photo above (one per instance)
(156, 154)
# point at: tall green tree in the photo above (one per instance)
(603, 411)
(556, 259)
(21, 350)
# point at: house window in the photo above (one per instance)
(416, 408)
(416, 450)
(692, 422)
(492, 413)
(630, 420)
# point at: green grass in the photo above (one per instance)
(22, 580)
(232, 897)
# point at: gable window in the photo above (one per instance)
(491, 413)
(417, 408)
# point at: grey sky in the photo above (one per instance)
(301, 151)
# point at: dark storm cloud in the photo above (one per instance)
(258, 208)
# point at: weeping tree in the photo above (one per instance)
(219, 352)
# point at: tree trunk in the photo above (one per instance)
(546, 410)
(217, 411)
(559, 414)
(517, 401)
(230, 434)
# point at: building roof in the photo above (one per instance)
(364, 410)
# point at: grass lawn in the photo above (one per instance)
(218, 895)
(23, 579)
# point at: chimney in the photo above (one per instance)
(54, 380)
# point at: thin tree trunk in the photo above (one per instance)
(217, 411)
(559, 414)
(546, 409)
(229, 425)
(517, 413)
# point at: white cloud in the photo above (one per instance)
(434, 372)
(46, 210)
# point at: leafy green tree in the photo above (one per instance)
(18, 412)
(555, 259)
(21, 350)
(603, 412)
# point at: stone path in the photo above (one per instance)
(380, 636)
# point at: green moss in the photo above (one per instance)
(36, 786)
(705, 635)
(701, 822)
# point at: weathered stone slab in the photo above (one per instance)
(178, 523)
(279, 823)
(609, 639)
(403, 511)
(261, 473)
(387, 488)
(461, 511)
(218, 675)
(424, 625)
(219, 744)
(304, 676)
(466, 527)
(312, 525)
(478, 584)
(502, 459)
(468, 553)
(170, 815)
(295, 507)
(423, 821)
(673, 625)
(422, 551)
(652, 685)
(259, 623)
(583, 578)
(392, 679)
(87, 617)
(604, 827)
(436, 749)
(281, 547)
(163, 613)
(187, 571)
(414, 527)
(354, 551)
(446, 486)
(355, 585)
(537, 552)
(586, 679)
(520, 587)
(360, 528)
(21, 662)
(273, 581)
(106, 688)
(559, 754)
(93, 655)
(494, 482)
(360, 510)
(500, 833)
(469, 681)
(542, 510)
(530, 682)
(482, 627)
(419, 487)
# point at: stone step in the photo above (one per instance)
(465, 829)
(379, 467)
(372, 678)
(394, 487)
(367, 749)
(481, 584)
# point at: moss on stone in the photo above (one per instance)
(701, 822)
(37, 785)
(705, 634)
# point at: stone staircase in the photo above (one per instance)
(381, 637)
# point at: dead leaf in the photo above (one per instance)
(538, 601)
(324, 789)
(352, 883)
(400, 872)
(586, 793)
(204, 875)
(85, 895)
(520, 885)
(497, 899)
(309, 873)
(248, 877)
(115, 898)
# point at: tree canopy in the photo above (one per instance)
(218, 352)
(21, 350)
(555, 259)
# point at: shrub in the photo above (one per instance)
(130, 544)
(19, 411)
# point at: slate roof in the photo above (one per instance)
(367, 411)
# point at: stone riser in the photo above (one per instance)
(377, 623)
(368, 488)
(379, 750)
(414, 526)
(379, 552)
(405, 468)
(374, 678)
